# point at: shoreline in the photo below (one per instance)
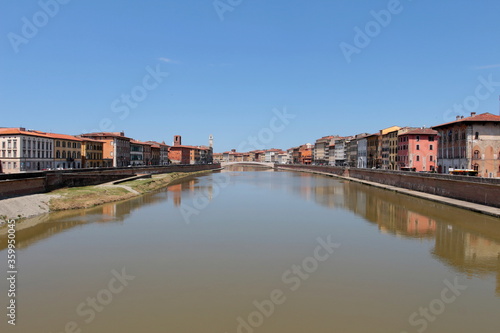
(28, 206)
(478, 208)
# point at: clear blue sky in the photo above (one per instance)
(225, 77)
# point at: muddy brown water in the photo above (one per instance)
(253, 250)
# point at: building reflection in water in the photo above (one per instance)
(467, 241)
(41, 227)
(464, 240)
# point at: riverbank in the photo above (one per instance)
(483, 209)
(87, 196)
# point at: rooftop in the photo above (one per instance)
(483, 117)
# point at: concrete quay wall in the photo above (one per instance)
(40, 182)
(484, 191)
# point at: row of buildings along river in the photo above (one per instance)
(23, 150)
(467, 143)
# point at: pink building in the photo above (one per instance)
(417, 149)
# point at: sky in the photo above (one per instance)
(253, 73)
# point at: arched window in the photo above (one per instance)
(64, 154)
(418, 158)
(58, 154)
(476, 167)
(476, 154)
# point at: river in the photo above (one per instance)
(254, 250)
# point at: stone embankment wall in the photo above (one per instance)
(12, 185)
(485, 191)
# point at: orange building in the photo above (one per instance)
(306, 154)
(179, 154)
(116, 146)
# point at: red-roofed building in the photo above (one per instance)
(417, 149)
(163, 153)
(24, 150)
(470, 143)
(182, 154)
(67, 151)
(116, 146)
(92, 154)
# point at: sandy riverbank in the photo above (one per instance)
(85, 197)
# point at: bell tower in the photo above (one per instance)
(177, 140)
(211, 141)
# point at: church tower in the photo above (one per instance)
(177, 140)
(211, 141)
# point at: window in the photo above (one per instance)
(3, 145)
(15, 144)
(431, 147)
(476, 136)
(476, 154)
(431, 137)
(431, 158)
(58, 154)
(418, 158)
(58, 143)
(64, 144)
(418, 147)
(64, 154)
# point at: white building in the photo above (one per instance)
(271, 155)
(23, 150)
(283, 158)
(340, 152)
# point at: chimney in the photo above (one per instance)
(472, 114)
(458, 117)
(233, 150)
(122, 133)
(22, 129)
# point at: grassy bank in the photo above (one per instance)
(90, 196)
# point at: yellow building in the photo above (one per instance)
(389, 147)
(67, 151)
(92, 154)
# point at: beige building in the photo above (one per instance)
(24, 150)
(470, 143)
(321, 149)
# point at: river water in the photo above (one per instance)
(254, 250)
